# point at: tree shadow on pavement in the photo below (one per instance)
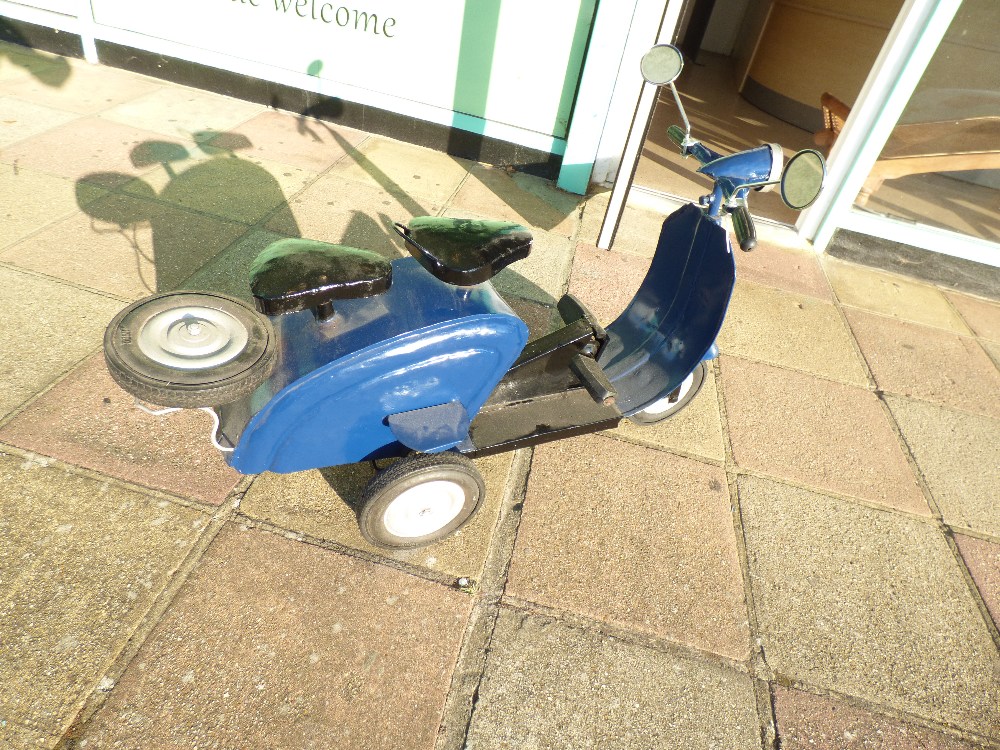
(209, 202)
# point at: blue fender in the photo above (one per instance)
(673, 320)
(340, 413)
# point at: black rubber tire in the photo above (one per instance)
(406, 474)
(161, 384)
(646, 418)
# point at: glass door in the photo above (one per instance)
(917, 160)
(941, 164)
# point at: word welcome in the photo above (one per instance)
(340, 15)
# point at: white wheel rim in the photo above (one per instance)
(663, 405)
(424, 509)
(192, 338)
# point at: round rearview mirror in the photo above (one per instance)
(662, 64)
(802, 179)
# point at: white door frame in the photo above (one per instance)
(641, 38)
(592, 111)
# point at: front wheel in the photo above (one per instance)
(667, 406)
(420, 500)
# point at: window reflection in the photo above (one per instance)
(941, 165)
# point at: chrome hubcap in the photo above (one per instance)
(424, 509)
(665, 404)
(192, 338)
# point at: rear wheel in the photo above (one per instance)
(420, 500)
(673, 402)
(189, 349)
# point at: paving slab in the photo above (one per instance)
(18, 61)
(982, 316)
(606, 280)
(30, 201)
(892, 295)
(542, 276)
(14, 735)
(86, 148)
(46, 328)
(787, 268)
(296, 140)
(594, 210)
(226, 184)
(181, 112)
(993, 350)
(229, 271)
(87, 420)
(323, 505)
(790, 330)
(493, 192)
(814, 722)
(334, 209)
(983, 559)
(547, 685)
(634, 537)
(959, 457)
(277, 644)
(869, 604)
(82, 561)
(695, 431)
(638, 231)
(104, 256)
(928, 364)
(125, 246)
(22, 120)
(826, 435)
(87, 89)
(397, 167)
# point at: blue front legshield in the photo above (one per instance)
(674, 318)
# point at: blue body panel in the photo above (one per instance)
(673, 320)
(732, 173)
(421, 344)
(736, 170)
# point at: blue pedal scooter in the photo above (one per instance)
(349, 357)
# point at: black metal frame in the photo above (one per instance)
(554, 390)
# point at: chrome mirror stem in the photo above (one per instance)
(680, 107)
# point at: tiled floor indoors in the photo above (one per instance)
(808, 557)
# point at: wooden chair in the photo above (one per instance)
(835, 114)
(920, 147)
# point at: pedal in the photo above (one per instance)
(593, 379)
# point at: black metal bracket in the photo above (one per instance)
(555, 389)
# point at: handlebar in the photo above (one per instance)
(690, 147)
(677, 135)
(742, 223)
(743, 226)
(735, 174)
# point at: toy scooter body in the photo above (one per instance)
(411, 368)
(350, 358)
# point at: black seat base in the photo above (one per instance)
(465, 251)
(296, 274)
